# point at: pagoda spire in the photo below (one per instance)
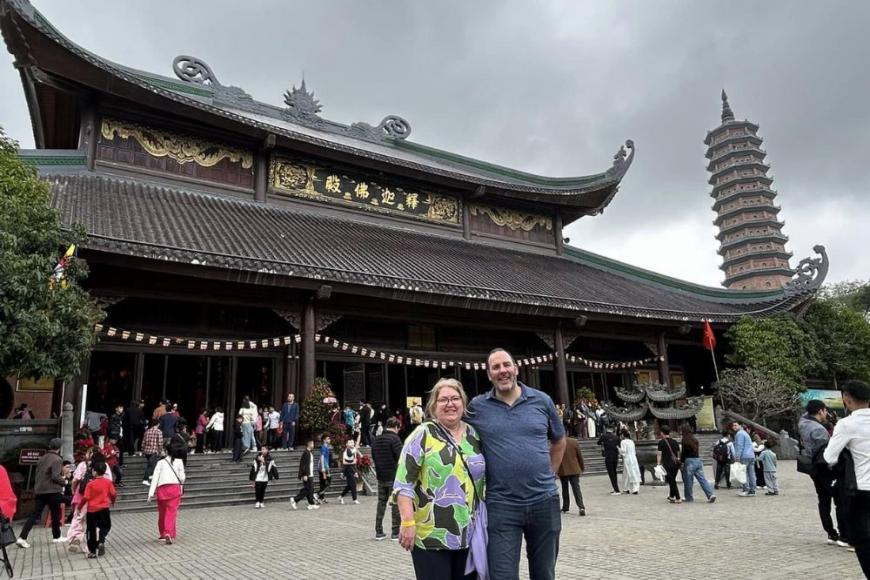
(751, 242)
(727, 113)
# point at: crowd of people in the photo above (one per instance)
(471, 480)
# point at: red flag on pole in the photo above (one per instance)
(709, 340)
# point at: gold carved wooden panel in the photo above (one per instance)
(310, 181)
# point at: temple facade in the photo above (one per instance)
(241, 247)
(750, 236)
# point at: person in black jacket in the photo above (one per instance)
(306, 474)
(237, 439)
(610, 449)
(385, 453)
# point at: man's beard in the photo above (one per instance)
(500, 388)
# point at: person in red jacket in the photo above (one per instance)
(99, 496)
(8, 501)
(110, 450)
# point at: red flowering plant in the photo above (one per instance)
(365, 464)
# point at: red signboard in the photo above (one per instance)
(30, 456)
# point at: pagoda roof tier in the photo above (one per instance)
(763, 167)
(772, 222)
(742, 179)
(768, 237)
(768, 193)
(759, 154)
(729, 125)
(759, 272)
(713, 149)
(773, 253)
(769, 207)
(56, 72)
(209, 235)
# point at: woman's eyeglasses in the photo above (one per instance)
(448, 400)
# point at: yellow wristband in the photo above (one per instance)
(409, 524)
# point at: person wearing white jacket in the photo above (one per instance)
(215, 430)
(166, 484)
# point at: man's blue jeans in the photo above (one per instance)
(693, 469)
(540, 523)
(289, 435)
(749, 486)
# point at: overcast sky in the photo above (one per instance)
(554, 88)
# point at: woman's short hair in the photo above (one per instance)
(433, 394)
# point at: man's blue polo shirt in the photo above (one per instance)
(514, 440)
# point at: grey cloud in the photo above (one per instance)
(553, 88)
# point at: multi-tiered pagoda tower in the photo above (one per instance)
(752, 244)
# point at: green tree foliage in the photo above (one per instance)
(842, 339)
(852, 294)
(777, 345)
(45, 330)
(756, 394)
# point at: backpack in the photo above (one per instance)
(720, 452)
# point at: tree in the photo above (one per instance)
(46, 330)
(853, 294)
(756, 394)
(842, 340)
(777, 345)
(317, 415)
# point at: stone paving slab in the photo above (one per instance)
(625, 537)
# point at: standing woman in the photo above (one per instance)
(693, 468)
(166, 485)
(667, 456)
(439, 484)
(630, 466)
(348, 468)
(215, 430)
(199, 430)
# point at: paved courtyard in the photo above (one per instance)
(627, 537)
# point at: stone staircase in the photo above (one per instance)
(214, 480)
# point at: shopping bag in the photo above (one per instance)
(738, 473)
(659, 473)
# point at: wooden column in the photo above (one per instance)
(664, 374)
(308, 360)
(557, 233)
(561, 368)
(261, 168)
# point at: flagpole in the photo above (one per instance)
(715, 368)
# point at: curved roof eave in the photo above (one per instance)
(567, 191)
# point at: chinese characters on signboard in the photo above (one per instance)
(320, 183)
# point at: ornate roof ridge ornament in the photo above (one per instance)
(727, 113)
(622, 159)
(302, 107)
(809, 274)
(194, 70)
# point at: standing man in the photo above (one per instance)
(385, 453)
(814, 438)
(152, 445)
(136, 419)
(365, 421)
(745, 454)
(569, 473)
(325, 464)
(289, 417)
(609, 443)
(49, 493)
(306, 475)
(853, 434)
(523, 441)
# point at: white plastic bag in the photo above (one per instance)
(659, 472)
(738, 473)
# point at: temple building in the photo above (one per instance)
(751, 241)
(241, 247)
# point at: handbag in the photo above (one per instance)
(7, 534)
